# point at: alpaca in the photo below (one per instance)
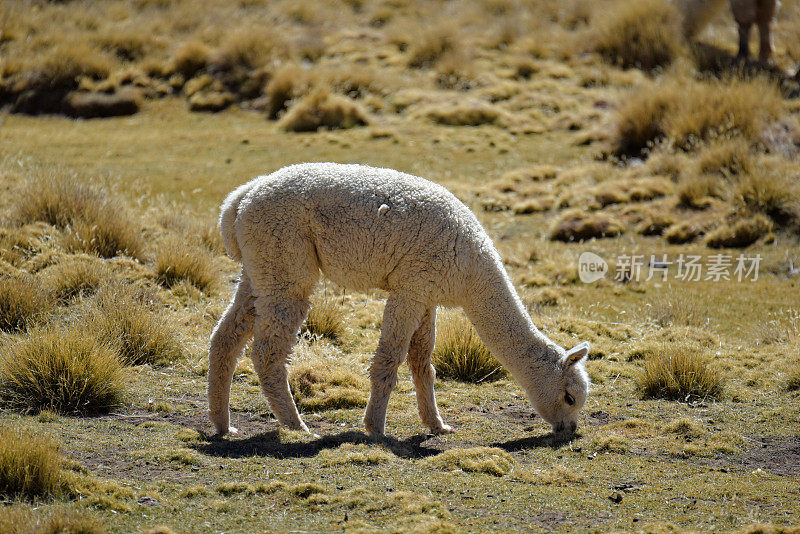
(364, 228)
(697, 13)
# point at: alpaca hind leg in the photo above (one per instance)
(401, 318)
(423, 373)
(227, 343)
(277, 325)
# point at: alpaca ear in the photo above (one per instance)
(577, 353)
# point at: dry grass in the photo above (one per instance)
(95, 219)
(698, 192)
(30, 465)
(459, 353)
(683, 232)
(739, 234)
(74, 277)
(686, 112)
(322, 109)
(464, 113)
(63, 370)
(773, 192)
(320, 383)
(489, 460)
(326, 319)
(178, 259)
(645, 34)
(678, 372)
(793, 376)
(120, 317)
(349, 453)
(577, 225)
(22, 302)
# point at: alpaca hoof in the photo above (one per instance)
(231, 430)
(444, 429)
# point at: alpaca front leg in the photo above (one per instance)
(227, 343)
(401, 318)
(275, 336)
(765, 42)
(423, 373)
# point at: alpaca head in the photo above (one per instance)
(560, 392)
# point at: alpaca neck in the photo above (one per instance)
(502, 322)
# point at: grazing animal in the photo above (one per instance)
(698, 13)
(364, 228)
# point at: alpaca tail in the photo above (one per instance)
(227, 217)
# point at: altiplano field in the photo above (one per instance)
(642, 189)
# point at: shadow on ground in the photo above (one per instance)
(270, 444)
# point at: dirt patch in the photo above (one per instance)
(779, 455)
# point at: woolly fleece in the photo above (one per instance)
(367, 228)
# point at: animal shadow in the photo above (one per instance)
(553, 441)
(270, 444)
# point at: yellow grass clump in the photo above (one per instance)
(75, 276)
(739, 234)
(322, 109)
(489, 460)
(326, 318)
(645, 34)
(177, 259)
(22, 302)
(319, 383)
(578, 225)
(119, 316)
(30, 465)
(469, 113)
(773, 192)
(63, 370)
(349, 453)
(678, 372)
(460, 355)
(686, 112)
(94, 218)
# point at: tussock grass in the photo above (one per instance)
(459, 353)
(20, 244)
(556, 476)
(739, 234)
(322, 109)
(678, 372)
(685, 112)
(469, 113)
(326, 319)
(430, 46)
(75, 277)
(120, 317)
(350, 454)
(30, 465)
(773, 192)
(189, 58)
(22, 302)
(319, 383)
(489, 460)
(698, 192)
(58, 520)
(63, 370)
(95, 220)
(645, 34)
(178, 259)
(683, 232)
(577, 225)
(793, 376)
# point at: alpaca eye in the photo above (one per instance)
(568, 399)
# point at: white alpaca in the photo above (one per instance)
(697, 13)
(365, 228)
